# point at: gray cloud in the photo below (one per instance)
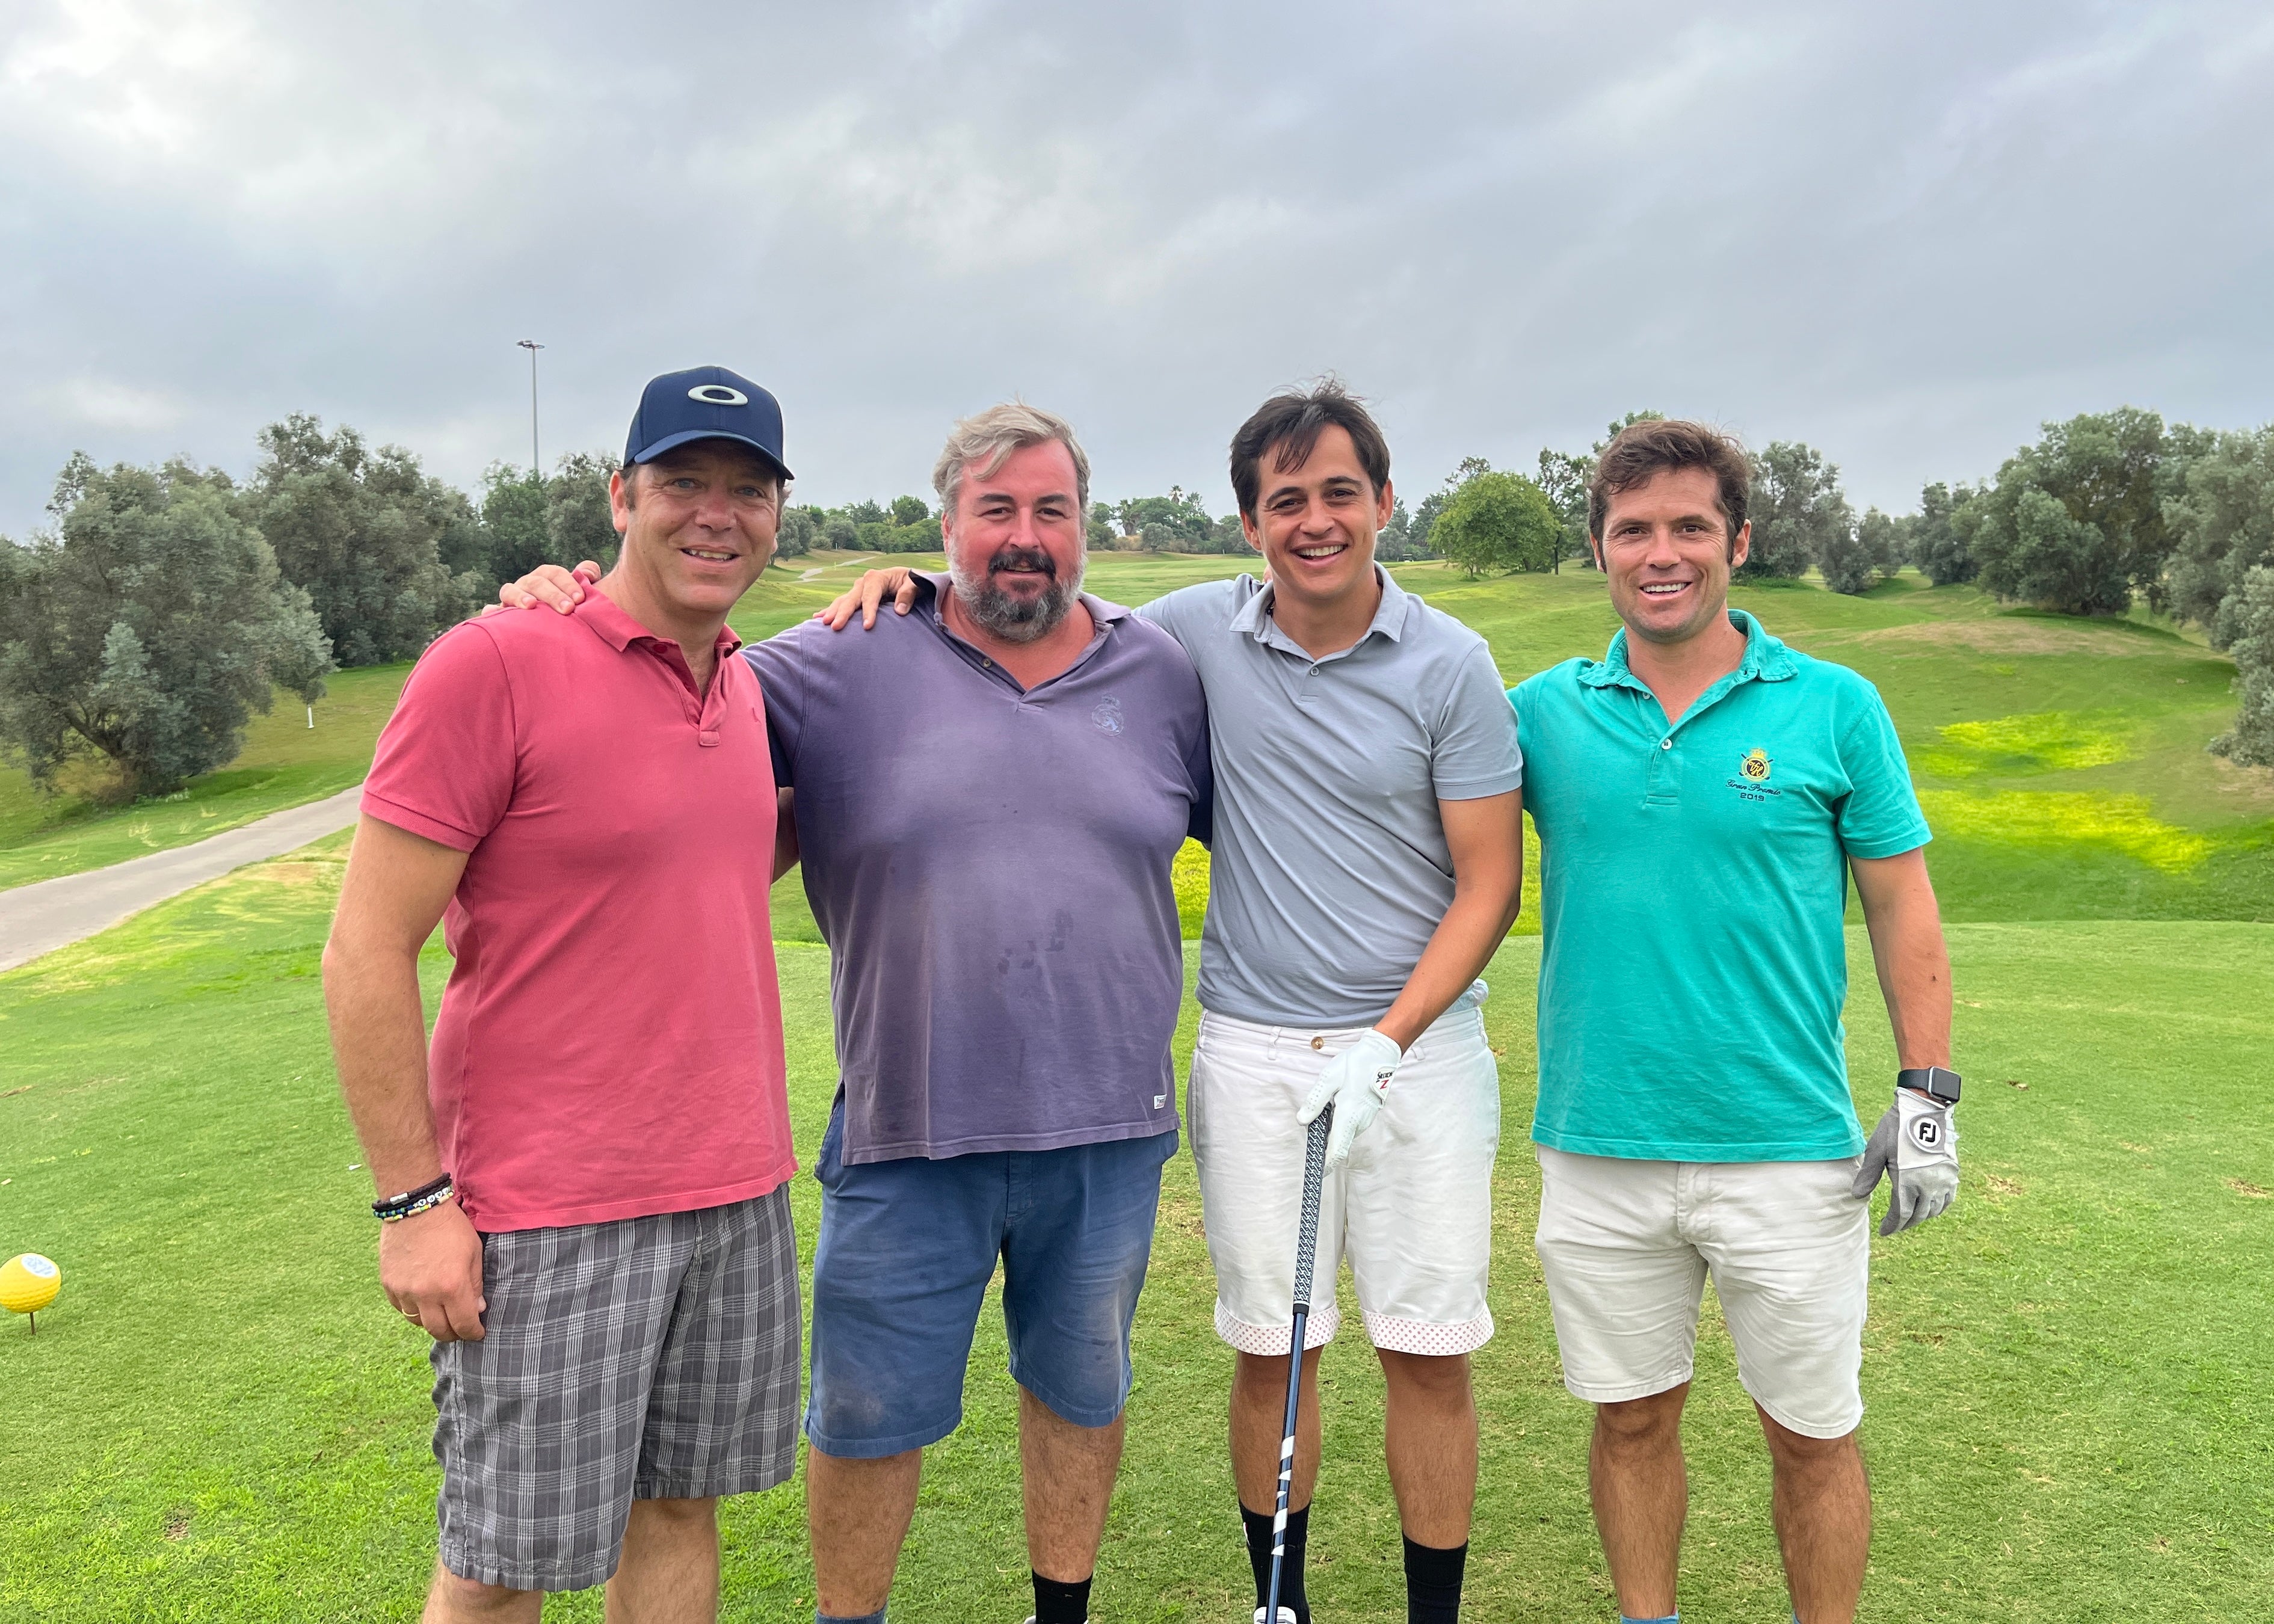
(1904, 234)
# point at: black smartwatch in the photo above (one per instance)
(1932, 1081)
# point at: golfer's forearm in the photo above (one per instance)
(1914, 968)
(1462, 943)
(379, 1043)
(1909, 954)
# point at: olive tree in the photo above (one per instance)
(1855, 558)
(360, 532)
(2075, 524)
(1799, 513)
(558, 519)
(1941, 538)
(148, 627)
(2221, 522)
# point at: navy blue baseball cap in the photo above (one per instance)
(705, 402)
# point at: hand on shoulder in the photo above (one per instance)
(548, 585)
(867, 593)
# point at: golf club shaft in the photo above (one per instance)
(1307, 1252)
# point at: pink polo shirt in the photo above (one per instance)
(610, 1043)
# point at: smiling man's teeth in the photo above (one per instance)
(703, 552)
(1664, 588)
(1316, 552)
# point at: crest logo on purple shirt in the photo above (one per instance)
(1107, 715)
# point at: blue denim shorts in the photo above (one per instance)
(906, 1253)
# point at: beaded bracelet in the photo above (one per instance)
(411, 1203)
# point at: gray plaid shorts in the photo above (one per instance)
(648, 1358)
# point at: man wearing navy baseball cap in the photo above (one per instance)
(705, 403)
(585, 1181)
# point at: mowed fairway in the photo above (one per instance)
(2072, 1396)
(2071, 1384)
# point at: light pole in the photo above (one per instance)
(536, 464)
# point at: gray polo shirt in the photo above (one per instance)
(1329, 869)
(990, 868)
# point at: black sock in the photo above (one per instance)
(1433, 1583)
(1060, 1603)
(1291, 1574)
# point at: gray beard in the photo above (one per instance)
(1011, 618)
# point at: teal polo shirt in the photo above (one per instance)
(1693, 965)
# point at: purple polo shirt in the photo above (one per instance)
(990, 868)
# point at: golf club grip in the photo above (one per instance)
(1314, 1178)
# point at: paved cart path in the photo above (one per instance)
(52, 914)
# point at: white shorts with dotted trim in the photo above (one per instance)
(1411, 1209)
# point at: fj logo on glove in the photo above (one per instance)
(1927, 1131)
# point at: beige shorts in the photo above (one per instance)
(1626, 1247)
(1411, 1209)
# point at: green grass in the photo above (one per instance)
(2072, 1392)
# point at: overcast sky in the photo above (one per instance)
(1906, 234)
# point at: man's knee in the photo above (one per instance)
(1036, 1415)
(1436, 1378)
(1794, 1451)
(460, 1597)
(1642, 1422)
(1264, 1375)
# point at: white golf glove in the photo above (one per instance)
(1916, 1145)
(1354, 1083)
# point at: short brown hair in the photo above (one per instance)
(1293, 422)
(1642, 451)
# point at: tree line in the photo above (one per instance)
(164, 605)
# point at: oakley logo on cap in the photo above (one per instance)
(705, 402)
